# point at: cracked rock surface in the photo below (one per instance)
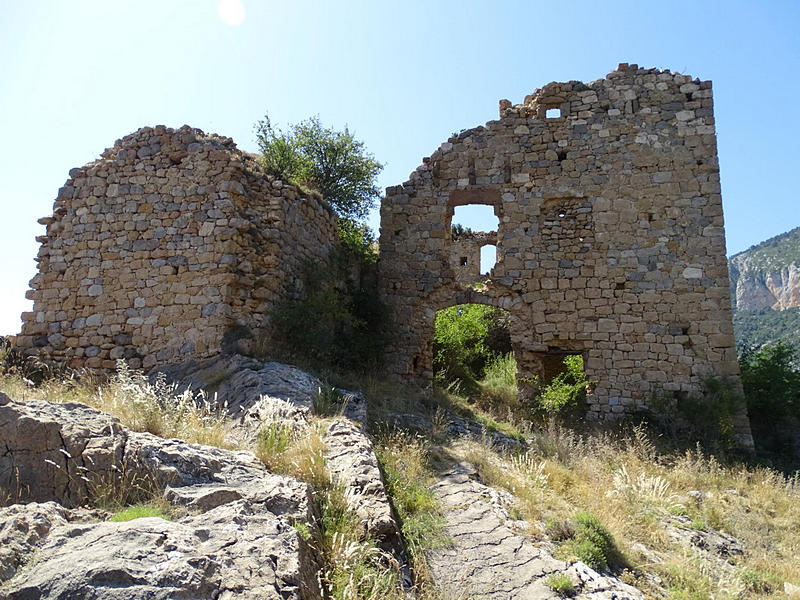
(352, 464)
(239, 539)
(491, 559)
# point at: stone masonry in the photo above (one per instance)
(610, 243)
(169, 246)
(465, 255)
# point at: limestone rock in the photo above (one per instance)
(251, 391)
(240, 539)
(352, 464)
(708, 541)
(237, 550)
(456, 427)
(491, 558)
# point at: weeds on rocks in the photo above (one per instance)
(634, 490)
(405, 462)
(159, 509)
(560, 583)
(159, 408)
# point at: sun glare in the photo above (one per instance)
(231, 12)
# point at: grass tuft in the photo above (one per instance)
(141, 511)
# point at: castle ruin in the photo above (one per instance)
(171, 246)
(610, 243)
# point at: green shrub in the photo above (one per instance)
(771, 380)
(759, 582)
(333, 162)
(565, 396)
(588, 540)
(338, 319)
(706, 419)
(499, 383)
(467, 338)
(560, 583)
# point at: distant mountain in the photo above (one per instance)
(765, 291)
(767, 275)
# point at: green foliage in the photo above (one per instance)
(771, 380)
(140, 511)
(759, 582)
(357, 240)
(272, 440)
(463, 345)
(758, 328)
(499, 384)
(328, 401)
(593, 543)
(560, 583)
(339, 320)
(457, 230)
(706, 419)
(333, 162)
(565, 396)
(404, 462)
(355, 568)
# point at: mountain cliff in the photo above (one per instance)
(767, 275)
(765, 291)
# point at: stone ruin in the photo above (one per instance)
(610, 242)
(172, 245)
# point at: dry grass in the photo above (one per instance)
(139, 404)
(632, 490)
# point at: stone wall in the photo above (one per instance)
(169, 245)
(610, 244)
(465, 255)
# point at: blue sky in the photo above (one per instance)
(77, 75)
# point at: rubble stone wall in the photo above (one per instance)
(465, 255)
(610, 244)
(168, 245)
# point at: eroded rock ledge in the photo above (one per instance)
(239, 538)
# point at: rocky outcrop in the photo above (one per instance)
(250, 391)
(256, 392)
(240, 538)
(456, 427)
(776, 290)
(237, 550)
(491, 558)
(353, 465)
(767, 276)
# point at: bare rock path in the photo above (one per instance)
(490, 557)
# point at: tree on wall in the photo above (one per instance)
(333, 162)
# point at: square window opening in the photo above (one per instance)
(552, 112)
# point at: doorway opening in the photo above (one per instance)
(473, 361)
(561, 388)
